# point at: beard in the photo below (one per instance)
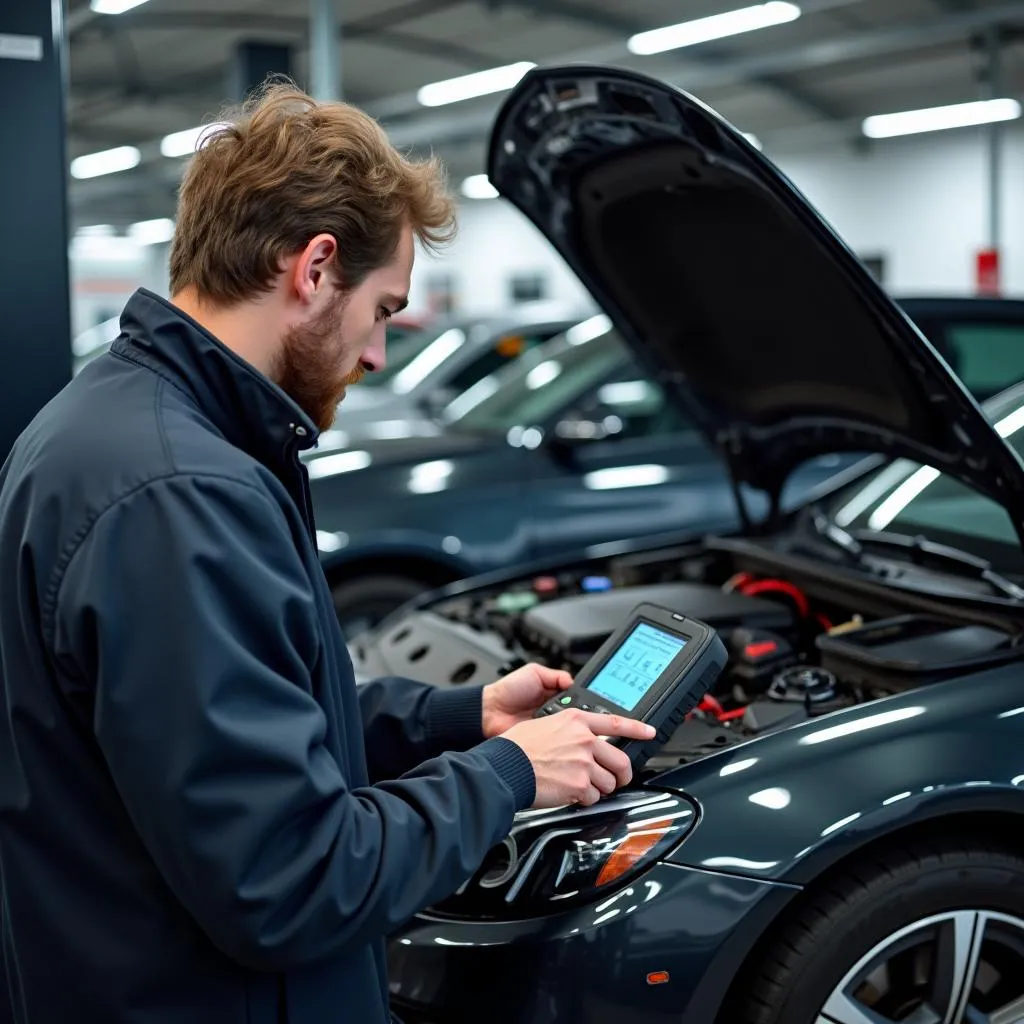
(307, 368)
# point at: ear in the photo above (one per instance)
(312, 266)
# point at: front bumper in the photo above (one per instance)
(591, 965)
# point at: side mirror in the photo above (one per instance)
(574, 430)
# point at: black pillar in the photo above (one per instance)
(35, 305)
(253, 62)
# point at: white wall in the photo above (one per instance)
(494, 242)
(920, 202)
(104, 274)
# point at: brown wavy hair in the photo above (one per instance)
(283, 168)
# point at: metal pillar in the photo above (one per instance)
(253, 62)
(993, 86)
(324, 50)
(35, 302)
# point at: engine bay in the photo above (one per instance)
(798, 648)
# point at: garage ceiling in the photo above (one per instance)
(165, 65)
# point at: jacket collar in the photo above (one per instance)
(250, 410)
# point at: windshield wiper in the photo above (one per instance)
(921, 551)
(852, 545)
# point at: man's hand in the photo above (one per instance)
(572, 761)
(515, 697)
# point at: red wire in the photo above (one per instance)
(778, 587)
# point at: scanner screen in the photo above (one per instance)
(635, 666)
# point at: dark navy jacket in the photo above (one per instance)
(202, 821)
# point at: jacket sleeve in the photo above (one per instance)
(407, 722)
(187, 607)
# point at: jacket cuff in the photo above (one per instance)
(455, 718)
(513, 767)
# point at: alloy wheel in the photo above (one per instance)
(959, 967)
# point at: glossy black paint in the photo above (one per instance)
(837, 782)
(589, 966)
(499, 504)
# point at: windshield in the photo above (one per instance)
(541, 384)
(906, 497)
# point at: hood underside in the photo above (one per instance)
(731, 287)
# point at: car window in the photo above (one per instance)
(543, 383)
(987, 357)
(501, 353)
(906, 497)
(635, 406)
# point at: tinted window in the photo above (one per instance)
(497, 355)
(906, 497)
(987, 357)
(403, 346)
(544, 383)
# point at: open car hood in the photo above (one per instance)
(730, 286)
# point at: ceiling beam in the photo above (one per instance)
(624, 27)
(442, 127)
(705, 76)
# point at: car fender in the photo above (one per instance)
(338, 550)
(786, 806)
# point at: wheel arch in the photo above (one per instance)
(999, 825)
(431, 569)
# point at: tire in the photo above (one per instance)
(909, 910)
(362, 603)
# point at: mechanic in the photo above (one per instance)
(202, 818)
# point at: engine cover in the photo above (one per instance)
(572, 628)
(428, 647)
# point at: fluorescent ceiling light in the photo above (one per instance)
(932, 119)
(478, 186)
(466, 87)
(95, 231)
(152, 232)
(702, 30)
(343, 462)
(902, 496)
(427, 361)
(114, 6)
(588, 330)
(625, 476)
(107, 161)
(186, 142)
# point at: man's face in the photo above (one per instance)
(344, 338)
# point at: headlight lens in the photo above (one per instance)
(563, 856)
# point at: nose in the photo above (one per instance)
(374, 357)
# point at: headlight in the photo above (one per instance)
(570, 855)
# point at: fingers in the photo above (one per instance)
(589, 796)
(615, 762)
(603, 779)
(616, 725)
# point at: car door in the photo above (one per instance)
(625, 463)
